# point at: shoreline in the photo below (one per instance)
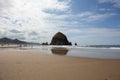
(33, 65)
(63, 51)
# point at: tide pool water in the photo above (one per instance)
(87, 52)
(76, 51)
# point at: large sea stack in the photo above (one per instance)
(59, 39)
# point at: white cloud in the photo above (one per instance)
(4, 4)
(77, 31)
(91, 16)
(105, 9)
(31, 20)
(116, 3)
(30, 16)
(15, 31)
(68, 20)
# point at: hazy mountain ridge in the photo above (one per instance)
(6, 40)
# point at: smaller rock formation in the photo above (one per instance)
(75, 44)
(46, 43)
(60, 39)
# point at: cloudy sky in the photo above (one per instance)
(83, 21)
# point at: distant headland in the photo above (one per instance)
(6, 40)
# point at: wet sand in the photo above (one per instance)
(33, 65)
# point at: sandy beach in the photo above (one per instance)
(33, 65)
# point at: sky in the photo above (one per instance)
(86, 22)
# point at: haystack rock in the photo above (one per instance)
(60, 39)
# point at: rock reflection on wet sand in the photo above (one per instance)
(59, 50)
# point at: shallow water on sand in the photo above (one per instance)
(87, 52)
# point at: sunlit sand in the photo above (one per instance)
(33, 65)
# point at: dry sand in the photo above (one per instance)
(32, 65)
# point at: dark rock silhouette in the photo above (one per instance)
(75, 44)
(46, 43)
(60, 39)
